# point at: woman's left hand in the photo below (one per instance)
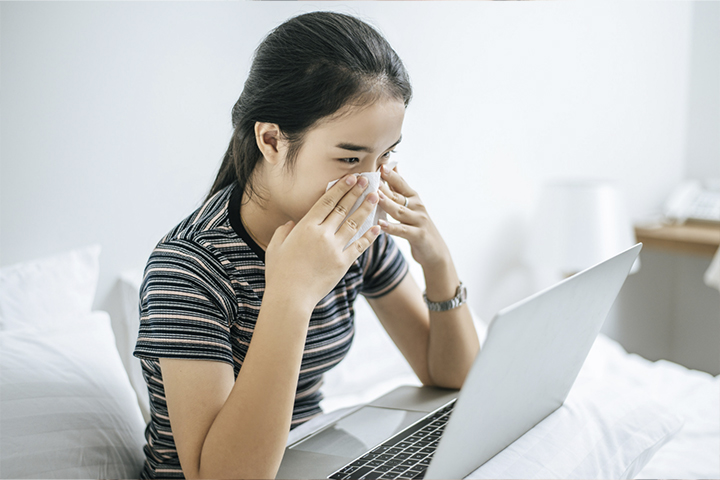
(404, 205)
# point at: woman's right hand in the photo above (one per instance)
(306, 261)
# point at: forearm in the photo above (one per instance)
(247, 438)
(453, 342)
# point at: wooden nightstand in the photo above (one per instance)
(698, 238)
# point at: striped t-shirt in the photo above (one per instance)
(200, 298)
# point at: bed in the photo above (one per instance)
(74, 406)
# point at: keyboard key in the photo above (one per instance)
(374, 463)
(409, 463)
(397, 471)
(412, 449)
(359, 473)
(380, 449)
(394, 451)
(418, 456)
(372, 475)
(402, 456)
(404, 444)
(349, 469)
(394, 461)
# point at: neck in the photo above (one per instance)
(260, 222)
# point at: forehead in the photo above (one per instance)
(377, 125)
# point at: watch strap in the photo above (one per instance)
(459, 299)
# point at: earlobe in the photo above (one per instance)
(267, 137)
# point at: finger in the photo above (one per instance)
(402, 230)
(350, 226)
(396, 182)
(399, 212)
(395, 196)
(361, 244)
(326, 204)
(342, 209)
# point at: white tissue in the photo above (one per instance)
(377, 212)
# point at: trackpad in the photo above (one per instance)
(359, 432)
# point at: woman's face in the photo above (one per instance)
(357, 140)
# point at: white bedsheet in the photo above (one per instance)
(695, 451)
(660, 387)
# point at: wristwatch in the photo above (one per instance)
(459, 298)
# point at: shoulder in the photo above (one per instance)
(193, 250)
(208, 220)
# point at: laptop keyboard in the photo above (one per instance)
(405, 455)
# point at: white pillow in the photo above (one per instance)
(41, 292)
(130, 281)
(67, 408)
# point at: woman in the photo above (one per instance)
(248, 301)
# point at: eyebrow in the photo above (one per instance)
(359, 148)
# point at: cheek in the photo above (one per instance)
(304, 199)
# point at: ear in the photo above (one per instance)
(268, 139)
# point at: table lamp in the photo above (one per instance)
(579, 223)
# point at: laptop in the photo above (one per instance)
(532, 354)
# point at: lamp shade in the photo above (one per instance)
(579, 224)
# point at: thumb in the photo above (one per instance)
(281, 233)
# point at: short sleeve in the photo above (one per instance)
(384, 268)
(184, 312)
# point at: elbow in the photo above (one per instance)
(451, 378)
(449, 384)
(254, 468)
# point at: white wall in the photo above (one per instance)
(703, 142)
(666, 311)
(114, 117)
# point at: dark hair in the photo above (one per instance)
(304, 70)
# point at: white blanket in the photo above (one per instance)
(617, 397)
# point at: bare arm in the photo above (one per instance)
(440, 346)
(237, 428)
(225, 428)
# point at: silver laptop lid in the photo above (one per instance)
(527, 365)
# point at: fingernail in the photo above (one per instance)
(350, 180)
(372, 198)
(362, 181)
(382, 195)
(375, 230)
(383, 223)
(385, 169)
